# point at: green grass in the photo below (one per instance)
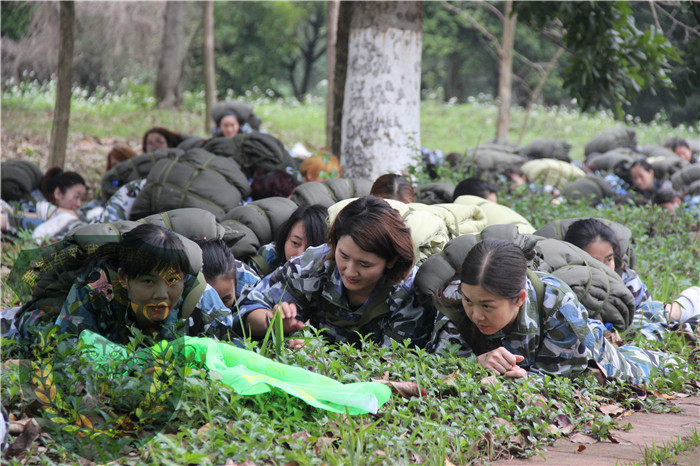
(666, 454)
(460, 419)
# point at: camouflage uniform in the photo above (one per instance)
(119, 205)
(558, 340)
(101, 305)
(314, 285)
(246, 279)
(636, 286)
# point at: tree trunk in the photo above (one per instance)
(208, 62)
(505, 73)
(381, 110)
(345, 12)
(61, 114)
(332, 33)
(167, 92)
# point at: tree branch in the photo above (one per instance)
(688, 29)
(652, 7)
(474, 24)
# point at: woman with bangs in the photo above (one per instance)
(138, 282)
(360, 283)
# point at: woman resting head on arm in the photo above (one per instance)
(512, 334)
(360, 282)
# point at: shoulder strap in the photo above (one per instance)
(539, 295)
(192, 295)
(260, 265)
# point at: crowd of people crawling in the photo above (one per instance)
(352, 275)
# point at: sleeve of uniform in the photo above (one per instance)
(637, 287)
(567, 340)
(408, 319)
(246, 279)
(77, 313)
(446, 335)
(211, 317)
(290, 283)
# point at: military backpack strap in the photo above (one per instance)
(192, 295)
(260, 265)
(539, 296)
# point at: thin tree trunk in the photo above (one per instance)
(167, 92)
(505, 74)
(337, 89)
(381, 110)
(61, 114)
(208, 61)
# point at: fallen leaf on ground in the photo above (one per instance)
(204, 429)
(450, 379)
(565, 426)
(405, 389)
(581, 438)
(580, 448)
(295, 437)
(448, 462)
(22, 443)
(611, 409)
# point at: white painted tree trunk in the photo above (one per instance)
(381, 108)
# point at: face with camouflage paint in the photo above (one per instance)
(153, 295)
(488, 312)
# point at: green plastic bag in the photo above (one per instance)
(249, 373)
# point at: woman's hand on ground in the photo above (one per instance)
(502, 361)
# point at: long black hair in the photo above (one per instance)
(57, 178)
(581, 233)
(217, 259)
(313, 217)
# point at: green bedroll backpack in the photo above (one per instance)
(488, 163)
(590, 187)
(611, 138)
(435, 193)
(598, 288)
(330, 191)
(196, 178)
(243, 109)
(253, 150)
(610, 160)
(551, 172)
(654, 150)
(44, 276)
(264, 216)
(547, 148)
(19, 179)
(666, 167)
(429, 232)
(687, 180)
(558, 228)
(497, 214)
(135, 168)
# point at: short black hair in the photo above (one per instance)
(474, 187)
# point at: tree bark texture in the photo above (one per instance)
(168, 93)
(208, 61)
(381, 109)
(61, 113)
(342, 39)
(505, 73)
(331, 38)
